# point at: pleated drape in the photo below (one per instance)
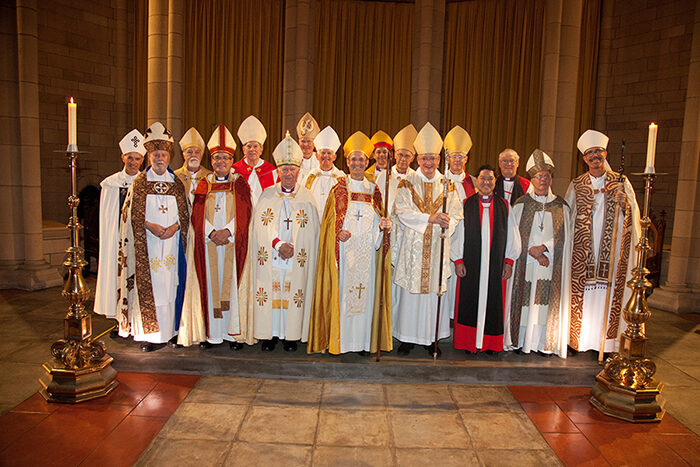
(493, 75)
(362, 70)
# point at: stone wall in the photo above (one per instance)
(85, 51)
(643, 77)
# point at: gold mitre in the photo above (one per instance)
(252, 130)
(288, 152)
(358, 142)
(592, 139)
(380, 138)
(457, 140)
(539, 161)
(327, 139)
(405, 137)
(428, 140)
(158, 137)
(132, 142)
(307, 127)
(221, 140)
(192, 138)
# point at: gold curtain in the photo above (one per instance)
(233, 54)
(362, 70)
(140, 61)
(493, 75)
(587, 78)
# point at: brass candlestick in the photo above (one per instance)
(80, 369)
(627, 388)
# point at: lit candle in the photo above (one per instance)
(651, 149)
(72, 125)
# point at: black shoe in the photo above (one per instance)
(363, 353)
(404, 349)
(205, 345)
(235, 345)
(149, 347)
(269, 345)
(113, 333)
(488, 352)
(433, 348)
(519, 351)
(172, 343)
(468, 352)
(289, 346)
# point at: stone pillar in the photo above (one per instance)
(681, 291)
(427, 62)
(562, 39)
(121, 73)
(156, 109)
(299, 48)
(22, 261)
(174, 87)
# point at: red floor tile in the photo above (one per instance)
(177, 379)
(563, 393)
(124, 445)
(548, 417)
(530, 393)
(580, 410)
(686, 446)
(573, 449)
(621, 447)
(64, 437)
(162, 401)
(15, 424)
(37, 404)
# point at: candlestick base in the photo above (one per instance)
(73, 385)
(637, 405)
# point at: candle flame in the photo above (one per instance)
(653, 124)
(287, 134)
(71, 100)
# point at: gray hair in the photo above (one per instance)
(507, 151)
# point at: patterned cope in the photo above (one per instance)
(584, 270)
(546, 292)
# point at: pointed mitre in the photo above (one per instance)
(539, 161)
(380, 138)
(327, 139)
(405, 137)
(132, 142)
(191, 138)
(592, 139)
(288, 152)
(457, 140)
(307, 127)
(158, 137)
(358, 142)
(221, 140)
(252, 130)
(428, 140)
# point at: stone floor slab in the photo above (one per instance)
(302, 393)
(284, 424)
(204, 421)
(289, 455)
(337, 456)
(419, 396)
(184, 452)
(517, 457)
(441, 457)
(422, 429)
(502, 431)
(353, 428)
(484, 398)
(224, 390)
(348, 395)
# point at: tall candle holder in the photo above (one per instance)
(80, 369)
(626, 387)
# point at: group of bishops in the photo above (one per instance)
(303, 252)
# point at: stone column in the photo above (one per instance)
(681, 291)
(562, 39)
(156, 109)
(299, 48)
(174, 87)
(121, 73)
(427, 62)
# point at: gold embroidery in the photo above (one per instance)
(427, 241)
(261, 296)
(302, 218)
(267, 216)
(302, 257)
(262, 255)
(299, 298)
(276, 286)
(155, 264)
(169, 261)
(280, 304)
(287, 286)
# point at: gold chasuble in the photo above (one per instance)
(278, 285)
(214, 288)
(324, 330)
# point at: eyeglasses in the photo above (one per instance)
(221, 158)
(508, 161)
(596, 151)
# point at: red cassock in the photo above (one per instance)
(264, 172)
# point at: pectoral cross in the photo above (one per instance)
(217, 208)
(163, 208)
(287, 221)
(358, 216)
(359, 289)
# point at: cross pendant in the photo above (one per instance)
(217, 208)
(287, 221)
(360, 288)
(358, 216)
(163, 208)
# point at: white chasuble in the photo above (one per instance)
(320, 183)
(416, 264)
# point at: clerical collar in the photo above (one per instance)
(486, 199)
(221, 179)
(287, 190)
(506, 179)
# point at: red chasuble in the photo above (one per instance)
(264, 172)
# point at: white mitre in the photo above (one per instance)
(221, 140)
(252, 130)
(132, 142)
(539, 161)
(288, 152)
(592, 139)
(327, 139)
(428, 140)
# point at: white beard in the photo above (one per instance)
(193, 164)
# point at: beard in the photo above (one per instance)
(193, 163)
